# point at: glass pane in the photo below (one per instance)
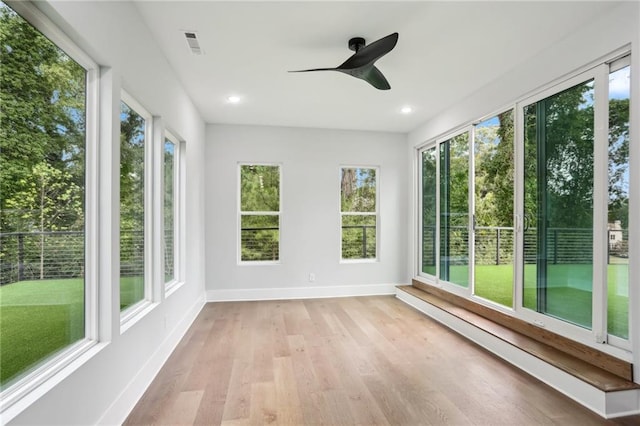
(169, 209)
(260, 236)
(559, 205)
(358, 190)
(618, 232)
(359, 237)
(494, 237)
(454, 210)
(42, 198)
(132, 135)
(260, 188)
(429, 212)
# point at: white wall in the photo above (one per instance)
(609, 32)
(310, 233)
(103, 387)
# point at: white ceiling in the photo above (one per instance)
(445, 52)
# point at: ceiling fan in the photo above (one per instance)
(361, 64)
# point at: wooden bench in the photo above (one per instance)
(600, 370)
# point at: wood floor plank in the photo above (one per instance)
(238, 397)
(289, 410)
(345, 361)
(185, 408)
(263, 404)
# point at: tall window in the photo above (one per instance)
(259, 210)
(454, 210)
(558, 197)
(133, 136)
(493, 232)
(170, 179)
(359, 213)
(429, 210)
(43, 217)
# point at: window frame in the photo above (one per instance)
(241, 213)
(12, 398)
(177, 210)
(341, 214)
(131, 314)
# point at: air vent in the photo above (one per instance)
(192, 41)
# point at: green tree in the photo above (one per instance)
(41, 110)
(495, 170)
(49, 201)
(619, 161)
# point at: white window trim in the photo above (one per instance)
(26, 390)
(341, 214)
(177, 211)
(257, 213)
(138, 310)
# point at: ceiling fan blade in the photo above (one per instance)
(371, 52)
(375, 78)
(316, 69)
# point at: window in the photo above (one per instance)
(467, 210)
(170, 238)
(134, 133)
(492, 224)
(429, 211)
(46, 141)
(259, 211)
(565, 180)
(454, 210)
(359, 213)
(558, 204)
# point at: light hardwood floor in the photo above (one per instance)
(346, 361)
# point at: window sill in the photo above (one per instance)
(260, 263)
(133, 314)
(171, 287)
(358, 261)
(32, 387)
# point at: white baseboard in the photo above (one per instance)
(232, 295)
(606, 404)
(126, 401)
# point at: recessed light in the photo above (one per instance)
(406, 110)
(233, 99)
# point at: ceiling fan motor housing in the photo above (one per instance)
(356, 43)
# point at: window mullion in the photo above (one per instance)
(600, 204)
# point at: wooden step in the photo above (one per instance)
(577, 366)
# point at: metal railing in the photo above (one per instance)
(495, 245)
(358, 241)
(60, 254)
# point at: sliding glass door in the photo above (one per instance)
(558, 204)
(429, 210)
(454, 210)
(559, 164)
(493, 232)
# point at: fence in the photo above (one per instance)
(261, 243)
(495, 245)
(60, 254)
(358, 241)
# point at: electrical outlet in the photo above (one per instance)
(312, 277)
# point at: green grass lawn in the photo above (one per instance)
(39, 318)
(494, 282)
